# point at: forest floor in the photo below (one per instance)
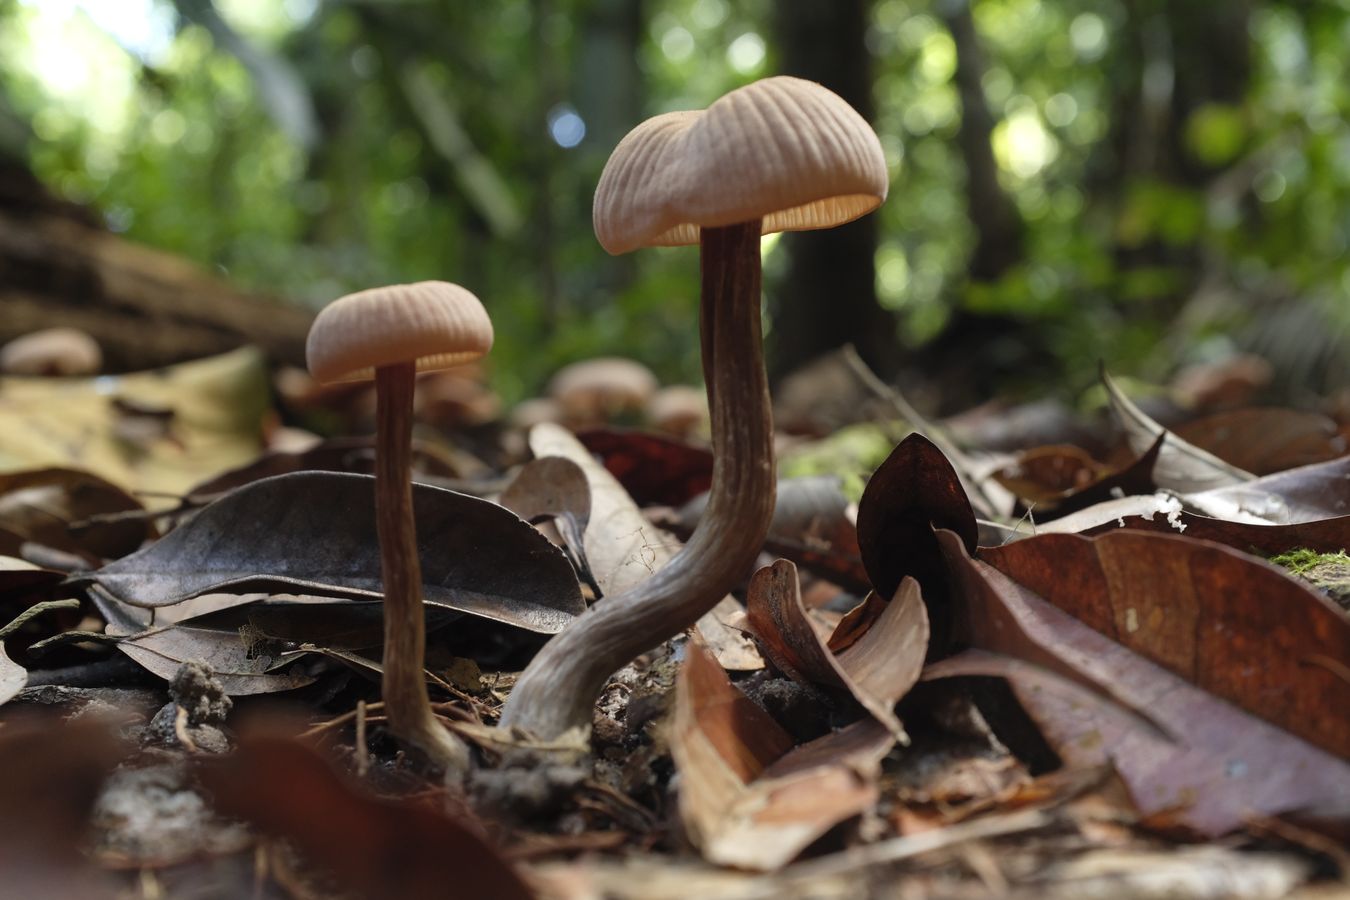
(1017, 653)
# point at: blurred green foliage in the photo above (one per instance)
(442, 154)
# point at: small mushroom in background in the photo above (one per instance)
(390, 334)
(596, 391)
(457, 398)
(678, 410)
(781, 154)
(52, 351)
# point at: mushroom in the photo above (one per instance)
(678, 410)
(52, 351)
(781, 154)
(391, 334)
(594, 391)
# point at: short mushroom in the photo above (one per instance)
(781, 154)
(52, 351)
(391, 334)
(679, 410)
(594, 391)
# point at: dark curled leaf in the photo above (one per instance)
(314, 533)
(1136, 478)
(914, 491)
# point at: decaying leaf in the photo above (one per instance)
(209, 419)
(653, 468)
(1305, 494)
(1233, 625)
(12, 677)
(53, 506)
(915, 490)
(1181, 750)
(18, 578)
(876, 670)
(1181, 466)
(554, 488)
(1266, 439)
(1322, 535)
(1134, 479)
(747, 798)
(400, 850)
(53, 772)
(314, 532)
(345, 454)
(624, 549)
(241, 667)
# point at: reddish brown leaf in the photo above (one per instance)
(1227, 622)
(1134, 479)
(747, 801)
(914, 491)
(53, 773)
(377, 848)
(654, 469)
(1050, 473)
(876, 670)
(1206, 762)
(1266, 439)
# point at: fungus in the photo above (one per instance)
(52, 351)
(390, 334)
(781, 154)
(595, 391)
(678, 410)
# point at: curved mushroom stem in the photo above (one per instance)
(404, 686)
(556, 693)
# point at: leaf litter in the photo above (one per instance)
(1184, 688)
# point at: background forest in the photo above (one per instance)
(1144, 182)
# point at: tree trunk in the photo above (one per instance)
(828, 295)
(146, 308)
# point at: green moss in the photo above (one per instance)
(1301, 560)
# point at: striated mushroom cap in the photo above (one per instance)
(783, 149)
(434, 324)
(593, 390)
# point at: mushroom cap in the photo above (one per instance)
(434, 324)
(52, 351)
(783, 149)
(595, 389)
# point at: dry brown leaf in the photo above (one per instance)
(1181, 466)
(746, 797)
(876, 670)
(624, 549)
(1231, 624)
(1202, 760)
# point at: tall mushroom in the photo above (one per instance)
(781, 154)
(391, 334)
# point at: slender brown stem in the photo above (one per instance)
(557, 692)
(406, 702)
